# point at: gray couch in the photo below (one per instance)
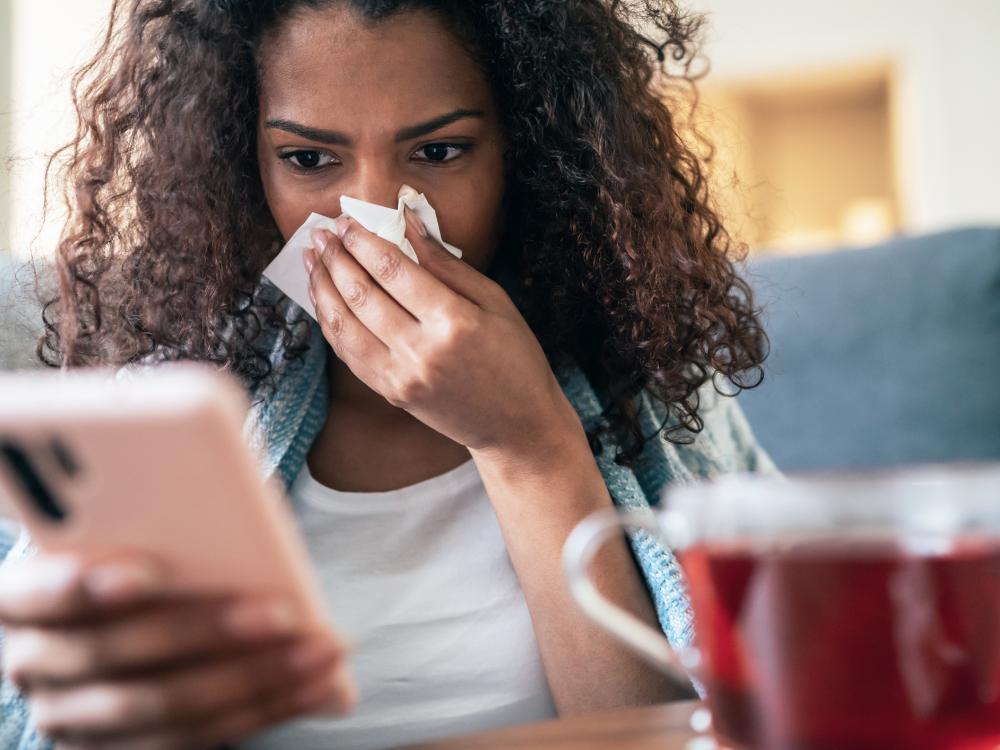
(880, 356)
(20, 313)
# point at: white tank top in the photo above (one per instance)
(419, 580)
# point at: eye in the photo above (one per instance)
(442, 152)
(307, 160)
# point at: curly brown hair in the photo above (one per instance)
(622, 263)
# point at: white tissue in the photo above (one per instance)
(287, 271)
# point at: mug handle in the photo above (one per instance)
(581, 546)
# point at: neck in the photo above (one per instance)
(369, 445)
(347, 390)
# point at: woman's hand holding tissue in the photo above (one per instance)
(447, 344)
(438, 339)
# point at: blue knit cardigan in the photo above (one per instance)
(283, 424)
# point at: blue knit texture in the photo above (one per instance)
(284, 423)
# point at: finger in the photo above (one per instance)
(311, 696)
(452, 271)
(369, 301)
(185, 699)
(158, 635)
(60, 588)
(418, 290)
(351, 341)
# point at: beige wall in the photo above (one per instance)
(6, 75)
(850, 166)
(802, 165)
(945, 58)
(49, 40)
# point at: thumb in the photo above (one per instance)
(59, 588)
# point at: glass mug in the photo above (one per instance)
(850, 612)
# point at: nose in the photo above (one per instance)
(375, 183)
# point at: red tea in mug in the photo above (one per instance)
(848, 645)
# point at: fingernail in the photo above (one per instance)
(414, 220)
(254, 619)
(56, 572)
(311, 656)
(308, 257)
(314, 693)
(338, 690)
(322, 240)
(340, 225)
(120, 581)
(346, 688)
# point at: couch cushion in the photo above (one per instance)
(884, 355)
(20, 314)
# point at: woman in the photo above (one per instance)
(446, 424)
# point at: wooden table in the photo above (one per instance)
(663, 727)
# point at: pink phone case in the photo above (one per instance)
(155, 462)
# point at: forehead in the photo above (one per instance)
(332, 62)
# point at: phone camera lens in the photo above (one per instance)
(27, 476)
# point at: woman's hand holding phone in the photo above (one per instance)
(106, 659)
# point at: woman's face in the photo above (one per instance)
(359, 109)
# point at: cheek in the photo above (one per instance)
(279, 202)
(473, 220)
(290, 204)
(475, 231)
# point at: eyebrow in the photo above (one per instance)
(335, 138)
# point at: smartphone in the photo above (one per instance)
(93, 464)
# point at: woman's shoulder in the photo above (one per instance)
(726, 443)
(726, 440)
